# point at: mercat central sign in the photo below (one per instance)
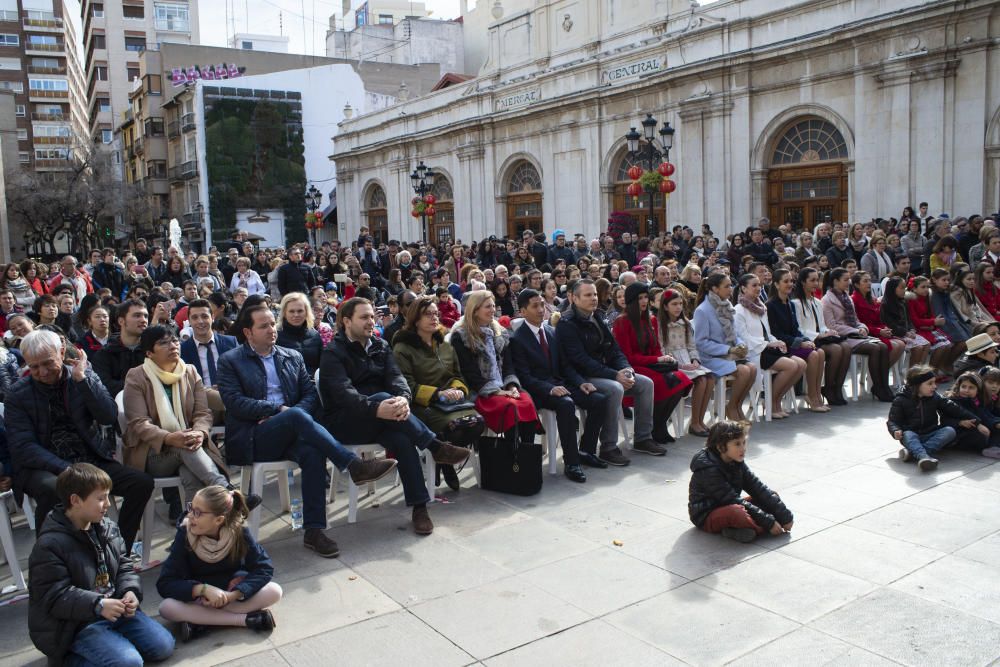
(632, 70)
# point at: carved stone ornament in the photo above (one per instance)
(567, 23)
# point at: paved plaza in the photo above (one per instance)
(885, 565)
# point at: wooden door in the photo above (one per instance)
(638, 209)
(803, 197)
(524, 211)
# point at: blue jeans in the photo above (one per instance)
(402, 439)
(293, 435)
(925, 446)
(126, 642)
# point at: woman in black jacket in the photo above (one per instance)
(719, 478)
(893, 313)
(295, 329)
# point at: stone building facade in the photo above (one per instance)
(798, 110)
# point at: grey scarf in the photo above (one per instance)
(726, 314)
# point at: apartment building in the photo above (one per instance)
(115, 33)
(38, 65)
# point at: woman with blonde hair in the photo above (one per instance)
(295, 329)
(483, 349)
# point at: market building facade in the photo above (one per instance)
(799, 111)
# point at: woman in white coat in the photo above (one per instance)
(765, 351)
(246, 277)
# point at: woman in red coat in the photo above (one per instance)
(869, 313)
(637, 336)
(987, 291)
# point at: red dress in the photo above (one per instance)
(641, 359)
(868, 314)
(922, 317)
(991, 300)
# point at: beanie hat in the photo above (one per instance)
(633, 291)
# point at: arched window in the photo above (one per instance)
(524, 200)
(443, 228)
(812, 140)
(378, 216)
(638, 207)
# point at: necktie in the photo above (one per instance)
(210, 361)
(543, 343)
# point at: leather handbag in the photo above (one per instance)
(510, 463)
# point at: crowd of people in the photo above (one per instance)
(434, 345)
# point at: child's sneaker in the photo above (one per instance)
(992, 452)
(904, 455)
(927, 464)
(740, 534)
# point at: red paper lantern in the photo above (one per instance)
(634, 189)
(415, 201)
(635, 172)
(430, 211)
(319, 215)
(415, 214)
(429, 200)
(309, 224)
(666, 169)
(667, 186)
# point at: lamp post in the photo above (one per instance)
(646, 155)
(422, 179)
(314, 199)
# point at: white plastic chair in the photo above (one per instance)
(7, 540)
(550, 439)
(762, 391)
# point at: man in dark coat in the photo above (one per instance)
(294, 276)
(122, 353)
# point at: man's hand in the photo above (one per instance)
(776, 529)
(194, 439)
(393, 409)
(559, 391)
(79, 366)
(131, 604)
(176, 439)
(112, 609)
(588, 388)
(625, 378)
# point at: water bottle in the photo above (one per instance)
(296, 513)
(137, 550)
(291, 478)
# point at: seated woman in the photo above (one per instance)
(168, 420)
(483, 350)
(431, 368)
(963, 296)
(840, 316)
(941, 304)
(785, 327)
(295, 329)
(868, 309)
(893, 314)
(986, 290)
(677, 340)
(638, 336)
(246, 278)
(765, 351)
(721, 351)
(928, 325)
(502, 296)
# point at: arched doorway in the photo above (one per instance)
(807, 179)
(443, 228)
(378, 216)
(638, 207)
(524, 200)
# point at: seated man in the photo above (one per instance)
(367, 399)
(55, 419)
(586, 342)
(203, 349)
(270, 399)
(122, 353)
(555, 385)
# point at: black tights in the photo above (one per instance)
(838, 362)
(878, 362)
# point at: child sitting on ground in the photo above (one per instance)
(913, 418)
(719, 476)
(991, 390)
(217, 573)
(84, 596)
(968, 393)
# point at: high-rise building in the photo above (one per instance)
(114, 34)
(38, 64)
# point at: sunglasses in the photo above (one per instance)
(197, 513)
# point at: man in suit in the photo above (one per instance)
(203, 349)
(555, 385)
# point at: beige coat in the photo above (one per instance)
(142, 429)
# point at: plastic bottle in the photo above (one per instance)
(296, 513)
(137, 549)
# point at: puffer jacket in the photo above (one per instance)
(349, 375)
(920, 414)
(242, 384)
(63, 568)
(715, 484)
(427, 369)
(475, 364)
(303, 340)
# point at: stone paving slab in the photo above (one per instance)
(886, 565)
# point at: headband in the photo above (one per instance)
(923, 377)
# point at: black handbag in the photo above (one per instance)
(510, 464)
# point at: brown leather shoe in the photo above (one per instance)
(422, 523)
(450, 455)
(317, 540)
(364, 471)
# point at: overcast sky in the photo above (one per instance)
(305, 22)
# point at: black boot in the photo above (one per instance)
(661, 418)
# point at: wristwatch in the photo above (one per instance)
(99, 607)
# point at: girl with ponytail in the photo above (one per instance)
(217, 573)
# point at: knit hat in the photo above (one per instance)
(633, 291)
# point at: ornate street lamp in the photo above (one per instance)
(314, 220)
(652, 167)
(422, 179)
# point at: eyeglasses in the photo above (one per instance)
(196, 513)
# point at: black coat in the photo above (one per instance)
(761, 252)
(349, 375)
(538, 250)
(110, 276)
(295, 277)
(589, 346)
(783, 323)
(62, 570)
(920, 415)
(837, 257)
(715, 484)
(113, 361)
(303, 340)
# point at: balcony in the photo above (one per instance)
(140, 148)
(188, 122)
(35, 47)
(189, 170)
(46, 70)
(52, 164)
(48, 94)
(43, 25)
(173, 129)
(58, 117)
(193, 218)
(63, 141)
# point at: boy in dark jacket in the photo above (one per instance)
(719, 475)
(83, 593)
(913, 418)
